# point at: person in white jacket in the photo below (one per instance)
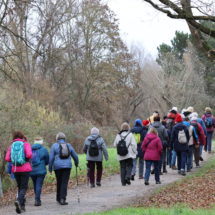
(126, 161)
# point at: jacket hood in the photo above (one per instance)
(186, 123)
(208, 113)
(156, 124)
(61, 141)
(123, 134)
(36, 146)
(152, 136)
(18, 140)
(138, 129)
(93, 136)
(180, 126)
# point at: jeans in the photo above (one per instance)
(62, 176)
(169, 156)
(196, 152)
(141, 166)
(91, 165)
(38, 183)
(148, 170)
(161, 161)
(22, 179)
(189, 157)
(125, 168)
(173, 156)
(208, 145)
(201, 148)
(181, 160)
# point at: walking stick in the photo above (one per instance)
(77, 183)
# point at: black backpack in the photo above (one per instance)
(169, 124)
(64, 151)
(195, 125)
(122, 149)
(94, 148)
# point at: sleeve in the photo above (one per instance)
(201, 135)
(165, 135)
(172, 138)
(74, 155)
(104, 149)
(143, 134)
(28, 151)
(187, 134)
(9, 168)
(46, 156)
(160, 147)
(213, 121)
(169, 134)
(8, 155)
(143, 147)
(204, 127)
(195, 136)
(51, 158)
(133, 144)
(85, 147)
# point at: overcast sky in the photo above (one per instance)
(138, 21)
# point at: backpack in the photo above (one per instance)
(137, 137)
(64, 151)
(35, 158)
(169, 124)
(195, 125)
(94, 148)
(122, 149)
(208, 122)
(182, 137)
(17, 154)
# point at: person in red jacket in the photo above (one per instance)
(201, 137)
(152, 149)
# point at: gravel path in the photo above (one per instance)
(110, 195)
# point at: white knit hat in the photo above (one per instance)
(175, 108)
(194, 118)
(38, 140)
(95, 131)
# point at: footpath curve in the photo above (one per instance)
(110, 195)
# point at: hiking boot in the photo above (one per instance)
(198, 166)
(158, 182)
(63, 202)
(92, 185)
(58, 200)
(174, 167)
(146, 182)
(18, 207)
(179, 172)
(161, 173)
(141, 177)
(170, 166)
(98, 183)
(127, 181)
(123, 184)
(37, 203)
(132, 177)
(183, 173)
(209, 152)
(164, 171)
(189, 170)
(201, 158)
(22, 209)
(153, 171)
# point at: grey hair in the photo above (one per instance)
(60, 135)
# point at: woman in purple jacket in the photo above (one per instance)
(210, 124)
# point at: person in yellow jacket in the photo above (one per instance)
(151, 118)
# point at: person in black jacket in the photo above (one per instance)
(139, 132)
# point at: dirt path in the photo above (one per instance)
(110, 195)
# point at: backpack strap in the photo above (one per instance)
(125, 136)
(148, 143)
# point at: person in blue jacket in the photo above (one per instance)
(39, 169)
(142, 130)
(62, 167)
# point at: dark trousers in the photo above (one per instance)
(208, 145)
(148, 170)
(181, 160)
(125, 168)
(62, 176)
(196, 152)
(38, 183)
(169, 156)
(22, 179)
(162, 161)
(91, 165)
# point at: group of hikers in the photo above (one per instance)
(157, 142)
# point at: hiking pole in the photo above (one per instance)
(77, 183)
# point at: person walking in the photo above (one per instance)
(19, 154)
(60, 157)
(139, 133)
(209, 120)
(180, 138)
(152, 149)
(151, 118)
(95, 148)
(126, 152)
(39, 162)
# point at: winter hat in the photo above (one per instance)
(178, 119)
(60, 135)
(138, 122)
(175, 108)
(194, 114)
(194, 118)
(146, 123)
(190, 109)
(38, 140)
(125, 127)
(157, 118)
(164, 117)
(163, 123)
(183, 111)
(95, 131)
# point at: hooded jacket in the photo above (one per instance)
(28, 155)
(208, 114)
(154, 149)
(201, 134)
(57, 162)
(101, 145)
(192, 133)
(162, 133)
(174, 137)
(142, 130)
(40, 169)
(130, 143)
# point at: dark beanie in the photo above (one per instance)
(163, 123)
(164, 117)
(157, 118)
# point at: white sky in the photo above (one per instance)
(138, 21)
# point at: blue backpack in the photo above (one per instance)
(17, 154)
(35, 158)
(208, 122)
